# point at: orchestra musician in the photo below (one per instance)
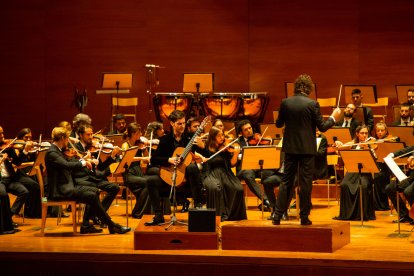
(406, 186)
(245, 130)
(135, 179)
(62, 187)
(78, 120)
(224, 190)
(349, 121)
(410, 96)
(119, 124)
(10, 179)
(368, 114)
(157, 130)
(405, 116)
(383, 177)
(300, 116)
(349, 201)
(164, 157)
(96, 177)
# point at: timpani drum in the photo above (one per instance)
(222, 105)
(166, 102)
(254, 106)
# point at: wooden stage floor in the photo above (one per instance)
(374, 248)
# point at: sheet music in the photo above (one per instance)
(394, 168)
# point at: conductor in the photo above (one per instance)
(300, 116)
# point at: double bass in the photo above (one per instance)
(178, 172)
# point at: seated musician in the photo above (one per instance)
(368, 114)
(219, 124)
(97, 176)
(32, 207)
(349, 120)
(405, 116)
(349, 200)
(12, 180)
(78, 120)
(245, 130)
(381, 179)
(157, 130)
(135, 179)
(61, 186)
(164, 157)
(406, 186)
(119, 124)
(321, 164)
(224, 190)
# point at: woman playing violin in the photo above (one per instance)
(349, 201)
(135, 179)
(224, 190)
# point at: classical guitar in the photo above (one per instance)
(167, 173)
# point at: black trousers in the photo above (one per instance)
(294, 163)
(111, 190)
(407, 187)
(16, 188)
(249, 177)
(157, 187)
(5, 213)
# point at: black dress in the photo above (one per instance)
(350, 202)
(224, 190)
(381, 180)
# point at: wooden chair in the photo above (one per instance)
(46, 203)
(127, 103)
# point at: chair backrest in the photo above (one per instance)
(326, 102)
(124, 101)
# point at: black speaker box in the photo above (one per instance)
(201, 220)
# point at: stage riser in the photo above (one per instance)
(263, 236)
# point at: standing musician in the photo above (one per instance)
(406, 186)
(135, 179)
(164, 157)
(349, 201)
(245, 130)
(349, 121)
(97, 176)
(300, 116)
(61, 186)
(119, 123)
(224, 190)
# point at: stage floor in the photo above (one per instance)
(374, 247)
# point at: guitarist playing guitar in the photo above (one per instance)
(174, 151)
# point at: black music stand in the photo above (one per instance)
(123, 167)
(260, 158)
(359, 161)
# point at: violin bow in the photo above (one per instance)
(339, 97)
(264, 131)
(218, 152)
(150, 147)
(1, 151)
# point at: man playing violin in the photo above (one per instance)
(406, 186)
(62, 187)
(164, 157)
(16, 183)
(245, 130)
(96, 177)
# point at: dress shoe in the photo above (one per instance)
(186, 205)
(285, 216)
(15, 225)
(403, 219)
(276, 220)
(155, 221)
(305, 221)
(119, 229)
(89, 229)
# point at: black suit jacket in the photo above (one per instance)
(369, 118)
(60, 182)
(301, 115)
(352, 128)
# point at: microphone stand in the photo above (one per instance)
(173, 220)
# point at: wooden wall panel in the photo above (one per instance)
(50, 47)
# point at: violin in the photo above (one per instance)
(258, 139)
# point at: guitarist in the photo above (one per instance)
(164, 157)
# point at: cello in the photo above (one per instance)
(167, 173)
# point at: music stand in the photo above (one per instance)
(385, 148)
(359, 161)
(368, 91)
(116, 139)
(402, 91)
(260, 158)
(342, 134)
(123, 167)
(39, 162)
(117, 81)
